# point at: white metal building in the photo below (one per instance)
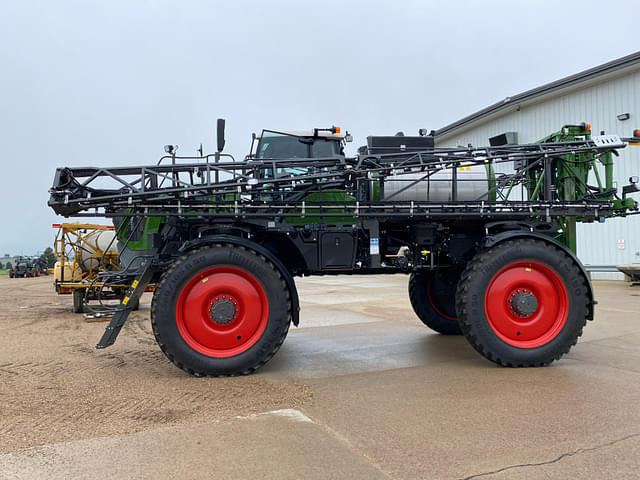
(607, 97)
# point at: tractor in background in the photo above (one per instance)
(24, 267)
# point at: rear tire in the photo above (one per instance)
(221, 311)
(432, 296)
(522, 303)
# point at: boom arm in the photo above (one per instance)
(264, 188)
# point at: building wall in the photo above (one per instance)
(4, 260)
(598, 104)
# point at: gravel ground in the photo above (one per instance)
(56, 387)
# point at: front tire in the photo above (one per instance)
(221, 311)
(522, 303)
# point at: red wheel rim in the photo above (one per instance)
(221, 311)
(526, 304)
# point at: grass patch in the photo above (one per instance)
(4, 271)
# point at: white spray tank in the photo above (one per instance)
(92, 248)
(473, 182)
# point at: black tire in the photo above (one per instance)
(135, 305)
(499, 296)
(78, 300)
(251, 298)
(432, 298)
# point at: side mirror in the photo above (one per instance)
(631, 188)
(220, 132)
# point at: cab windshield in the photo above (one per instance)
(277, 145)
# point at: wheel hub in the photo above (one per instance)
(223, 309)
(523, 303)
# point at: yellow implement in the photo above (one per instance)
(84, 250)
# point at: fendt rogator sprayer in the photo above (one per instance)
(486, 234)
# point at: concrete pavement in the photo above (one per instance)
(390, 399)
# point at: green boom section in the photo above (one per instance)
(570, 177)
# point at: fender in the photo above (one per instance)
(243, 242)
(491, 240)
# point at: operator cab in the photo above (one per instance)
(318, 144)
(282, 145)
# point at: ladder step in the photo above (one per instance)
(134, 292)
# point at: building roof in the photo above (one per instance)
(591, 74)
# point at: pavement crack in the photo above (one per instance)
(346, 442)
(555, 460)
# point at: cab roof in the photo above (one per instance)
(306, 133)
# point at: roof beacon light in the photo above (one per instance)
(585, 126)
(336, 129)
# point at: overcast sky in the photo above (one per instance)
(109, 83)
